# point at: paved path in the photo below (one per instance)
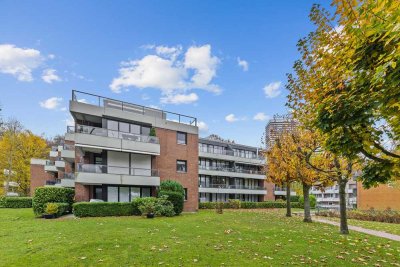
(362, 230)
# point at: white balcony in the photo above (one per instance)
(50, 166)
(59, 164)
(231, 172)
(283, 193)
(87, 136)
(68, 154)
(103, 174)
(53, 154)
(230, 189)
(232, 157)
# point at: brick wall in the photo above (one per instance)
(379, 198)
(270, 191)
(170, 152)
(39, 177)
(82, 192)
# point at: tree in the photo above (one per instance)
(348, 79)
(17, 147)
(278, 168)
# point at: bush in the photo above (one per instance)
(16, 202)
(173, 186)
(136, 203)
(313, 201)
(176, 198)
(61, 208)
(51, 208)
(159, 206)
(234, 203)
(102, 209)
(251, 205)
(294, 198)
(44, 195)
(387, 216)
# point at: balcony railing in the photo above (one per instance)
(68, 147)
(100, 101)
(50, 182)
(50, 163)
(97, 168)
(84, 129)
(225, 186)
(69, 176)
(223, 169)
(229, 153)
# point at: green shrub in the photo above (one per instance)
(251, 205)
(102, 209)
(164, 207)
(313, 201)
(147, 205)
(136, 203)
(51, 208)
(62, 208)
(173, 186)
(234, 203)
(294, 198)
(44, 195)
(176, 198)
(16, 202)
(152, 131)
(387, 216)
(219, 207)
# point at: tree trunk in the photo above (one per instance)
(307, 207)
(288, 206)
(344, 229)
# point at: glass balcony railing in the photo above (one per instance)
(69, 176)
(96, 100)
(224, 169)
(229, 153)
(68, 147)
(225, 186)
(98, 168)
(84, 129)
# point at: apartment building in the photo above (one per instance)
(276, 126)
(231, 171)
(382, 197)
(118, 151)
(329, 198)
(54, 171)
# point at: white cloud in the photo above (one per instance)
(154, 106)
(19, 62)
(231, 118)
(51, 103)
(170, 71)
(203, 127)
(272, 90)
(50, 76)
(180, 99)
(260, 116)
(83, 100)
(204, 64)
(243, 64)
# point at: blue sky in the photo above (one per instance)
(223, 62)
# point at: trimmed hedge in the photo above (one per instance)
(62, 208)
(250, 205)
(16, 202)
(313, 201)
(386, 216)
(173, 186)
(102, 209)
(176, 198)
(44, 195)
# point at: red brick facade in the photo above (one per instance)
(170, 152)
(39, 177)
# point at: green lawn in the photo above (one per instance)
(235, 238)
(391, 228)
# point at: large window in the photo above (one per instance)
(124, 194)
(181, 138)
(112, 194)
(181, 165)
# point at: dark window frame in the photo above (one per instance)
(177, 138)
(186, 168)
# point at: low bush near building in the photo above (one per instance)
(159, 206)
(173, 186)
(250, 205)
(15, 202)
(387, 216)
(61, 208)
(102, 209)
(44, 195)
(313, 201)
(176, 198)
(234, 203)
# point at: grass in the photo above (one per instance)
(235, 238)
(391, 228)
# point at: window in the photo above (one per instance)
(98, 192)
(112, 194)
(146, 192)
(124, 194)
(186, 194)
(124, 127)
(145, 130)
(181, 165)
(135, 129)
(181, 138)
(135, 192)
